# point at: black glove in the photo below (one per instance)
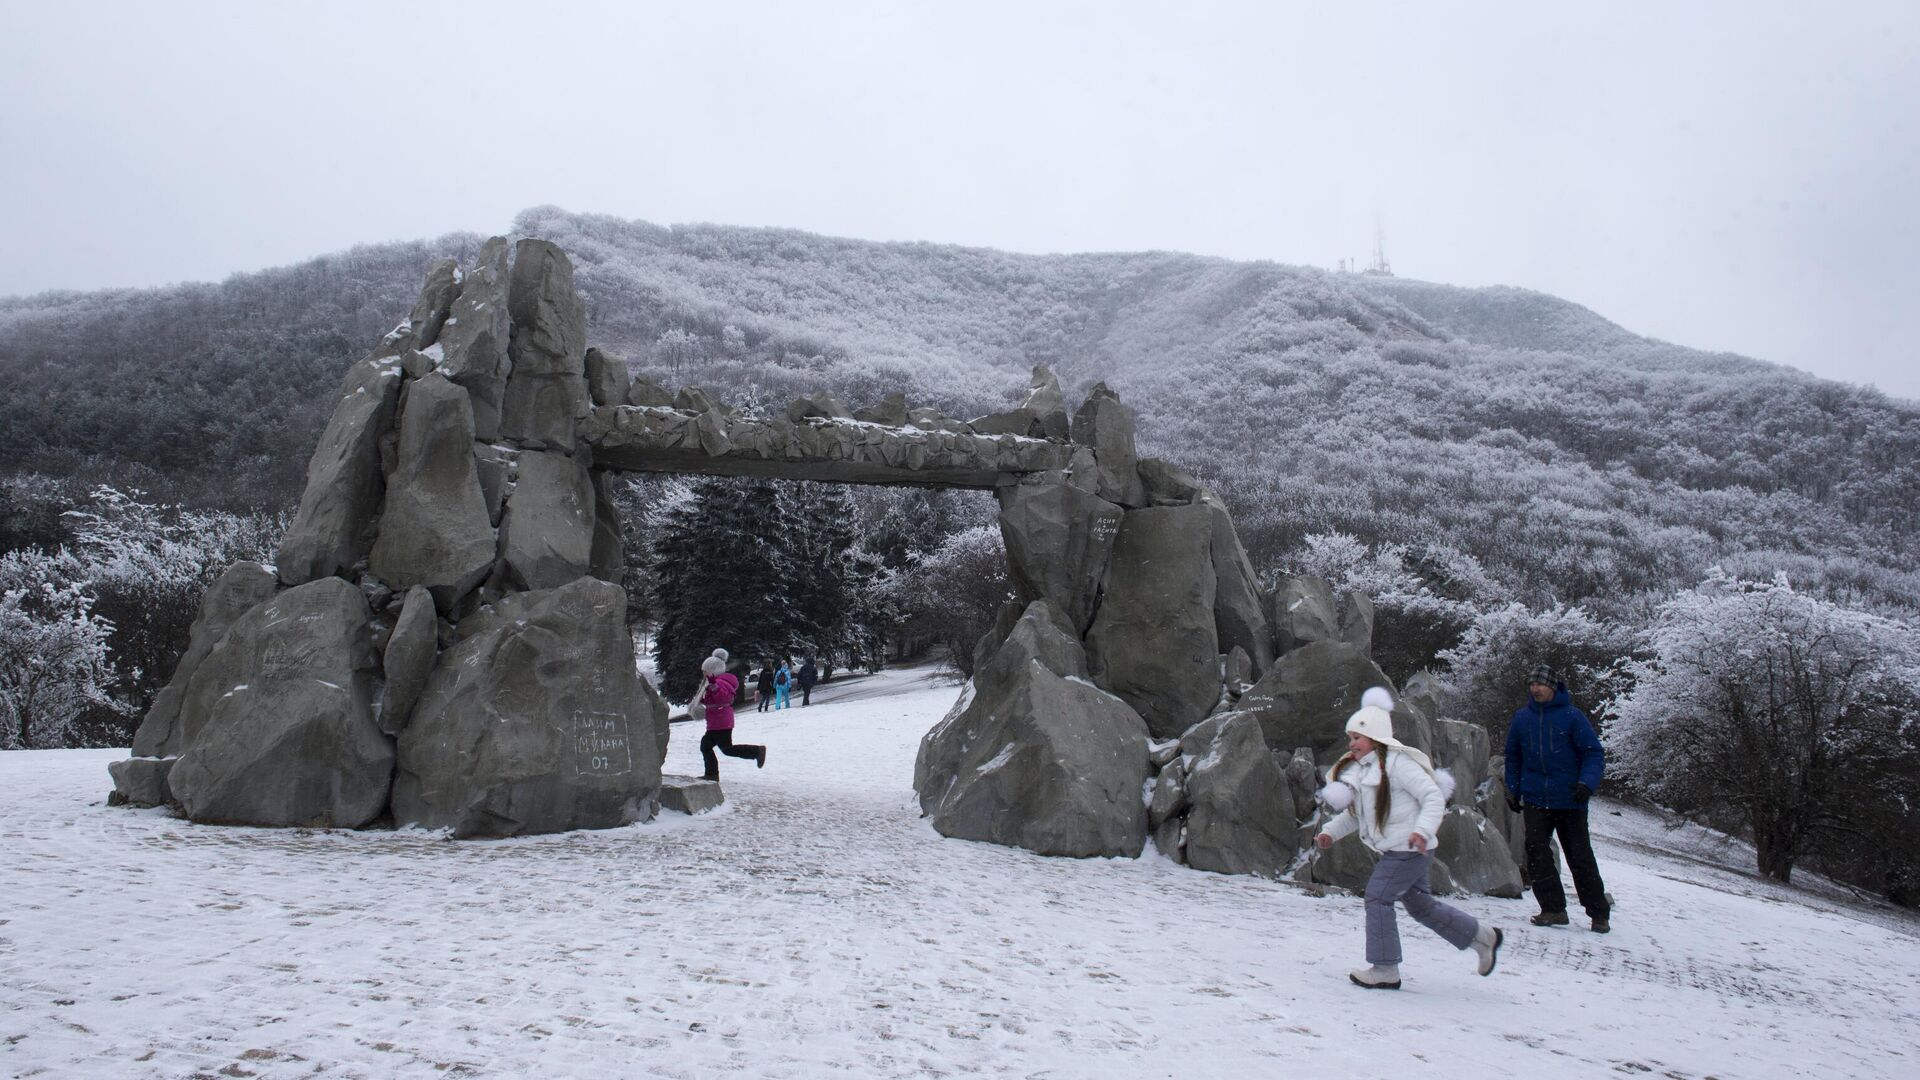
(1581, 793)
(1513, 803)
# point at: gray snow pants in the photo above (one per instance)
(1402, 876)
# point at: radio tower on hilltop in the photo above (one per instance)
(1380, 265)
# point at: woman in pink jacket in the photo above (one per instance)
(715, 693)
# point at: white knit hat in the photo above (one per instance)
(1374, 718)
(713, 665)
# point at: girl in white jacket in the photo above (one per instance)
(1389, 793)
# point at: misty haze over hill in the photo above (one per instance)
(1512, 443)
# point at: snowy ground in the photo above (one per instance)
(815, 926)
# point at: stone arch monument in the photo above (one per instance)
(441, 641)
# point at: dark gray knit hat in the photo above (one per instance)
(1544, 675)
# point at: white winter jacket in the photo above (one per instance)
(1418, 804)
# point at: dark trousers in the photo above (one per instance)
(723, 740)
(806, 694)
(1571, 826)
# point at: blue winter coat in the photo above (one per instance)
(1550, 748)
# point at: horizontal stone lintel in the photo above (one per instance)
(643, 439)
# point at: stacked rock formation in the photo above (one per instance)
(1138, 614)
(442, 641)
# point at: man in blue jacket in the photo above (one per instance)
(1554, 761)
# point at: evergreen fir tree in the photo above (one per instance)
(765, 570)
(719, 581)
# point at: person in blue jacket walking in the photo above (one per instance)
(1554, 763)
(782, 685)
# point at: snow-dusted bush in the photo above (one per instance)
(147, 565)
(1793, 712)
(952, 595)
(1486, 672)
(53, 650)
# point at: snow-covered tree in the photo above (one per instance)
(719, 581)
(1486, 672)
(953, 595)
(147, 565)
(1794, 713)
(53, 650)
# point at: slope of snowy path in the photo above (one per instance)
(816, 926)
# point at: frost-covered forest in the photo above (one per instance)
(1505, 441)
(1511, 476)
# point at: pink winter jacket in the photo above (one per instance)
(719, 701)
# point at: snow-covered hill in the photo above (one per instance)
(815, 926)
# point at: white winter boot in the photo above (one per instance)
(1377, 977)
(1486, 945)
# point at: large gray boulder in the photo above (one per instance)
(536, 724)
(1019, 422)
(1304, 611)
(472, 346)
(330, 531)
(1356, 620)
(1033, 756)
(1492, 804)
(1058, 542)
(1461, 749)
(497, 466)
(1239, 611)
(408, 658)
(1152, 640)
(1168, 484)
(430, 312)
(608, 381)
(434, 529)
(1047, 405)
(1308, 694)
(891, 412)
(818, 405)
(547, 532)
(1241, 817)
(234, 593)
(645, 393)
(278, 720)
(546, 392)
(1477, 855)
(1169, 798)
(1105, 426)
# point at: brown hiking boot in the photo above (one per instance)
(1550, 918)
(1600, 925)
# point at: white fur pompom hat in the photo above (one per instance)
(713, 665)
(1374, 718)
(721, 655)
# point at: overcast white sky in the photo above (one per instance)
(1738, 176)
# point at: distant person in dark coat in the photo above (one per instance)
(765, 686)
(715, 693)
(1554, 763)
(808, 676)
